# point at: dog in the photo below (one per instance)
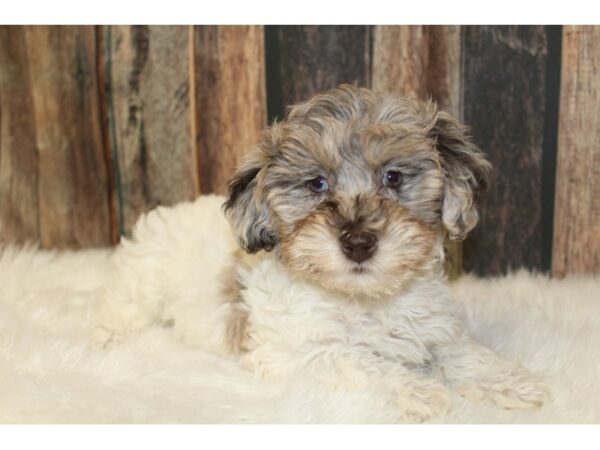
(328, 258)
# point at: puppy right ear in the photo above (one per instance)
(247, 209)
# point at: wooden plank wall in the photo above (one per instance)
(430, 66)
(53, 175)
(504, 88)
(230, 106)
(18, 151)
(304, 60)
(148, 71)
(99, 124)
(577, 216)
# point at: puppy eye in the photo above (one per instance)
(392, 179)
(318, 185)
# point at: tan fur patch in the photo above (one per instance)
(236, 335)
(405, 249)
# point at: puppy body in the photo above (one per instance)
(350, 198)
(182, 268)
(414, 344)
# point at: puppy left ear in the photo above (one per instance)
(466, 173)
(246, 207)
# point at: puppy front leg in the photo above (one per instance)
(418, 396)
(120, 316)
(480, 375)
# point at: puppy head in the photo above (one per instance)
(356, 190)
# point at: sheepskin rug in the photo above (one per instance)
(51, 373)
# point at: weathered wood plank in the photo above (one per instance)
(422, 62)
(148, 82)
(307, 59)
(73, 196)
(577, 207)
(419, 61)
(56, 79)
(230, 101)
(505, 104)
(18, 151)
(105, 117)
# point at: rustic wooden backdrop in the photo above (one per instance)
(101, 123)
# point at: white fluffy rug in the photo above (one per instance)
(50, 374)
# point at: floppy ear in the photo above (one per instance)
(246, 207)
(466, 173)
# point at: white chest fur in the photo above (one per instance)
(291, 319)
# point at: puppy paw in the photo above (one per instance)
(114, 325)
(522, 390)
(423, 400)
(517, 390)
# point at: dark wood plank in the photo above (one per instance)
(18, 150)
(304, 60)
(148, 82)
(422, 62)
(103, 49)
(230, 103)
(56, 75)
(577, 210)
(505, 104)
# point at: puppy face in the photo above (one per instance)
(357, 190)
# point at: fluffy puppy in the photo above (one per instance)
(342, 210)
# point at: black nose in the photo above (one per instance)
(358, 245)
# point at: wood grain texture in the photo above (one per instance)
(149, 93)
(419, 61)
(18, 150)
(309, 59)
(56, 75)
(504, 103)
(229, 99)
(73, 198)
(577, 208)
(103, 91)
(422, 62)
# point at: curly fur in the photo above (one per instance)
(300, 303)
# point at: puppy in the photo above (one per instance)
(341, 212)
